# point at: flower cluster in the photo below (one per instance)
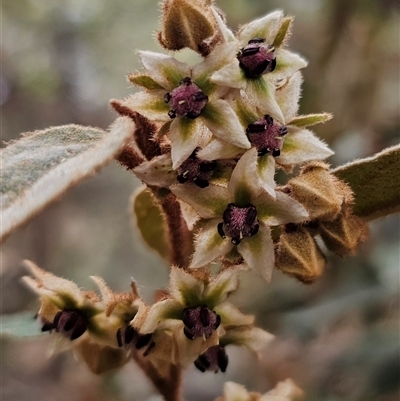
(224, 127)
(192, 323)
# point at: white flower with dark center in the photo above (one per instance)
(239, 215)
(188, 102)
(261, 64)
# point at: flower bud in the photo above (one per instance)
(187, 23)
(321, 193)
(299, 255)
(343, 235)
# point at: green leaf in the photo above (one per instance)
(284, 32)
(375, 183)
(38, 168)
(150, 222)
(144, 80)
(21, 324)
(310, 119)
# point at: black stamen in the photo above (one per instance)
(172, 114)
(204, 316)
(119, 337)
(250, 51)
(221, 230)
(256, 40)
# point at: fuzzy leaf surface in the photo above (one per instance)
(38, 168)
(375, 183)
(150, 222)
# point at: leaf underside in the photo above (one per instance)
(375, 183)
(150, 222)
(38, 168)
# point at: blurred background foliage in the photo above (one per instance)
(338, 339)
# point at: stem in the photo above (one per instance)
(179, 234)
(169, 386)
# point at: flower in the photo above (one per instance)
(261, 63)
(239, 215)
(286, 144)
(188, 97)
(195, 312)
(77, 315)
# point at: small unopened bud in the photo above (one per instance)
(318, 191)
(344, 234)
(299, 256)
(214, 359)
(187, 24)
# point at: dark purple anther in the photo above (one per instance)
(199, 322)
(187, 100)
(128, 335)
(196, 170)
(266, 136)
(70, 323)
(214, 359)
(238, 222)
(257, 58)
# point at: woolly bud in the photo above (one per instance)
(343, 235)
(321, 193)
(187, 23)
(298, 255)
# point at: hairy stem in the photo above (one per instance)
(179, 234)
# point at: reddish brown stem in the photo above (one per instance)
(179, 234)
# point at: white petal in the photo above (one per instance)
(208, 202)
(286, 389)
(266, 173)
(149, 104)
(244, 183)
(157, 171)
(221, 56)
(261, 93)
(185, 135)
(231, 76)
(288, 97)
(105, 291)
(185, 288)
(231, 315)
(258, 252)
(266, 28)
(219, 289)
(165, 70)
(301, 145)
(287, 63)
(209, 244)
(219, 149)
(253, 338)
(224, 123)
(189, 214)
(235, 392)
(226, 32)
(159, 312)
(283, 210)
